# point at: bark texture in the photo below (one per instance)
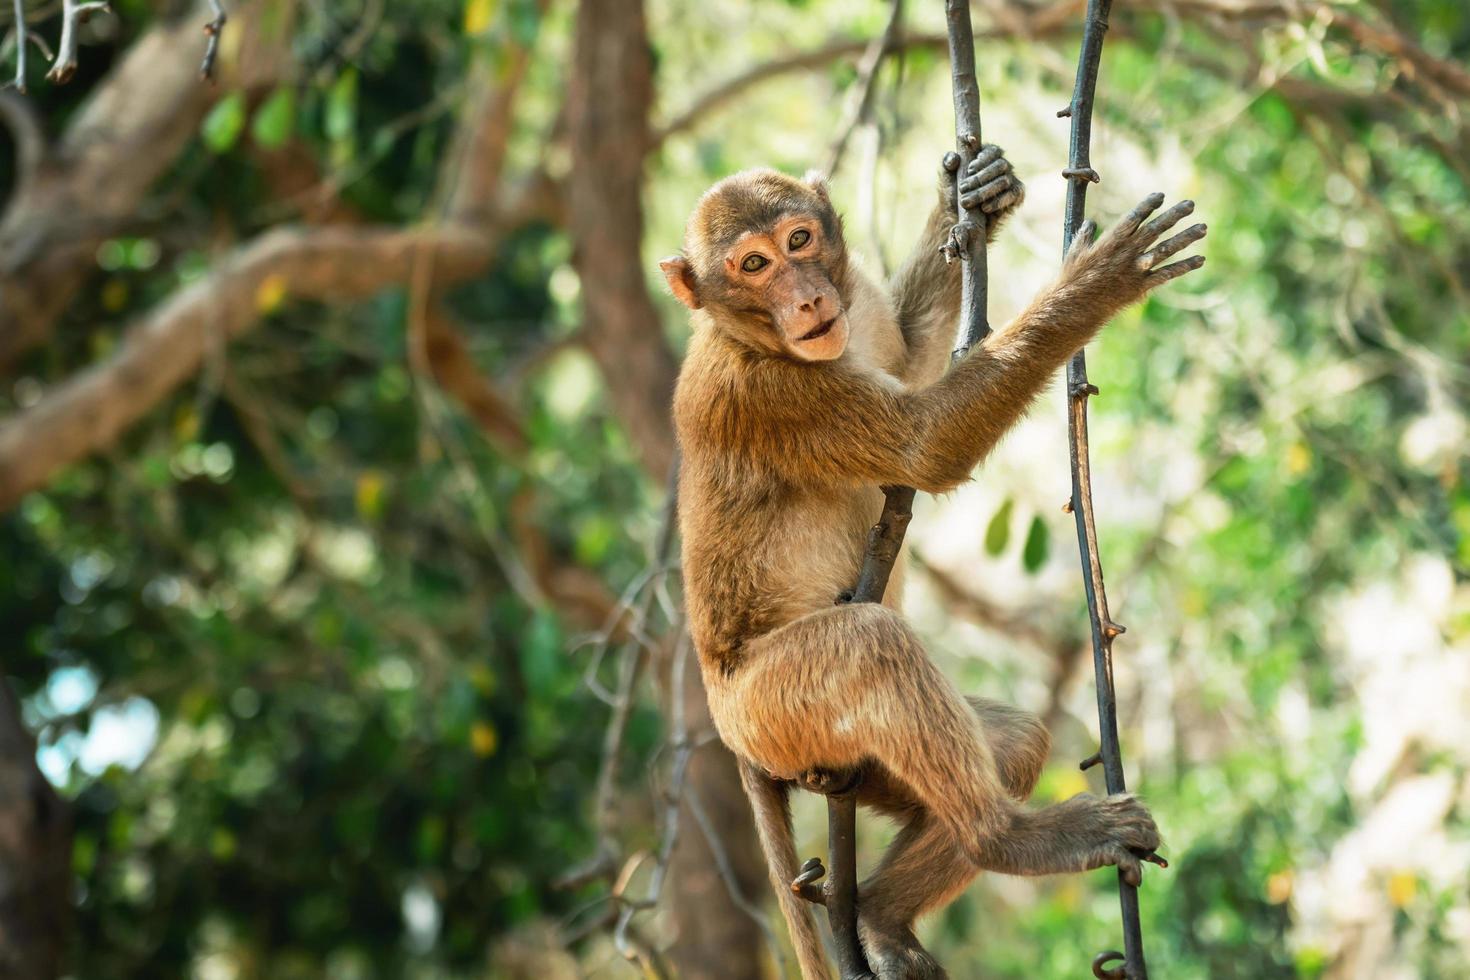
(35, 856)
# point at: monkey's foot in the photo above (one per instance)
(894, 953)
(827, 782)
(805, 884)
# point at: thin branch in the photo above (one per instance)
(73, 15)
(21, 49)
(716, 98)
(214, 29)
(1079, 174)
(860, 99)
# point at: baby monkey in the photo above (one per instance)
(806, 388)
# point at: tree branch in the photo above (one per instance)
(121, 141)
(89, 410)
(73, 15)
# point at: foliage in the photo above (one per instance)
(278, 645)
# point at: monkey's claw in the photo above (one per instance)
(804, 885)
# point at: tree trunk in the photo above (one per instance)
(35, 856)
(610, 93)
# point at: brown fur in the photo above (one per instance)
(784, 454)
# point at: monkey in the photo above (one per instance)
(806, 388)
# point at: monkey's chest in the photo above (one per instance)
(815, 557)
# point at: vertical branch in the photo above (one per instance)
(885, 539)
(213, 29)
(1079, 174)
(20, 46)
(967, 238)
(861, 100)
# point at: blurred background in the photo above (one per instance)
(338, 632)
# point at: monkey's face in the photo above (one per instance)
(783, 270)
(767, 260)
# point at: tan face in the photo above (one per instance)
(786, 268)
(764, 256)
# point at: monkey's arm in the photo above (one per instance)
(829, 424)
(926, 290)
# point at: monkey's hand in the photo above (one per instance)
(990, 185)
(1116, 830)
(1125, 264)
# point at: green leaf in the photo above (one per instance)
(222, 127)
(998, 531)
(341, 118)
(1038, 544)
(274, 119)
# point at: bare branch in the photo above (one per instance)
(860, 100)
(73, 16)
(21, 49)
(214, 29)
(129, 131)
(716, 98)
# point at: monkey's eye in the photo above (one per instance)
(798, 239)
(754, 262)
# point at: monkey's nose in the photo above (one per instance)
(812, 305)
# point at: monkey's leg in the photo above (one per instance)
(850, 684)
(1019, 742)
(924, 869)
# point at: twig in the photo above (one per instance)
(20, 46)
(1079, 174)
(725, 92)
(860, 100)
(73, 15)
(214, 29)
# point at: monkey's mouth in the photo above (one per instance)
(820, 330)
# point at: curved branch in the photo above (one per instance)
(727, 91)
(91, 409)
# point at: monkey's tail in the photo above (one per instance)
(768, 799)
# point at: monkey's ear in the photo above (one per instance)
(817, 181)
(680, 275)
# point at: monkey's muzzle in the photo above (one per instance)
(820, 330)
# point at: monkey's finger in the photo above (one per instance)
(1176, 270)
(995, 188)
(1136, 217)
(981, 178)
(989, 153)
(1005, 202)
(1165, 221)
(1178, 243)
(1132, 871)
(951, 162)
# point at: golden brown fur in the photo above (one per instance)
(805, 389)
